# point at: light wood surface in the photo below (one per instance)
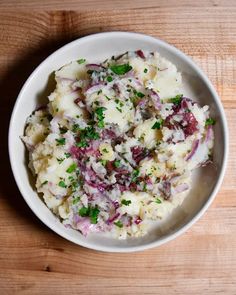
(34, 260)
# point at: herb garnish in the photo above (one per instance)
(91, 212)
(118, 224)
(177, 99)
(125, 202)
(62, 184)
(60, 141)
(81, 61)
(72, 168)
(157, 124)
(121, 69)
(210, 121)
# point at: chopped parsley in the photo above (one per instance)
(81, 61)
(75, 128)
(87, 134)
(158, 201)
(140, 94)
(45, 182)
(62, 184)
(107, 97)
(210, 121)
(60, 141)
(100, 116)
(75, 200)
(67, 155)
(91, 212)
(60, 160)
(63, 130)
(72, 168)
(109, 79)
(125, 202)
(157, 124)
(145, 70)
(118, 224)
(177, 99)
(105, 151)
(103, 162)
(117, 163)
(135, 175)
(121, 69)
(119, 109)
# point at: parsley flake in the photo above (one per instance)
(81, 61)
(72, 168)
(210, 121)
(62, 184)
(121, 69)
(60, 141)
(118, 224)
(125, 202)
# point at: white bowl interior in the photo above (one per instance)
(97, 48)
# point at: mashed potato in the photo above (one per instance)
(116, 144)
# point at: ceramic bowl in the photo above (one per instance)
(97, 48)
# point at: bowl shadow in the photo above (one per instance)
(11, 83)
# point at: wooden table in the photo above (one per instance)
(33, 259)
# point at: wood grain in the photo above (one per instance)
(34, 260)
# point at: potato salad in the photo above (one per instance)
(116, 144)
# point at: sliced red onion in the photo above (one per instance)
(138, 153)
(140, 54)
(164, 69)
(155, 99)
(138, 220)
(77, 100)
(194, 149)
(181, 188)
(165, 188)
(94, 88)
(142, 103)
(65, 79)
(209, 134)
(95, 67)
(113, 218)
(54, 123)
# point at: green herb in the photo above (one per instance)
(60, 160)
(145, 187)
(90, 72)
(158, 201)
(135, 175)
(75, 128)
(121, 69)
(99, 92)
(45, 182)
(81, 61)
(86, 134)
(60, 141)
(125, 202)
(118, 224)
(109, 79)
(177, 99)
(76, 200)
(104, 162)
(82, 144)
(72, 168)
(57, 110)
(105, 151)
(145, 70)
(93, 214)
(90, 212)
(84, 211)
(67, 155)
(140, 94)
(100, 116)
(62, 184)
(96, 102)
(157, 124)
(107, 97)
(62, 130)
(210, 121)
(119, 109)
(117, 163)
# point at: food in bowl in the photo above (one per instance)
(115, 147)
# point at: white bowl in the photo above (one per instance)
(96, 48)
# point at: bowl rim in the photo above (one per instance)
(211, 197)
